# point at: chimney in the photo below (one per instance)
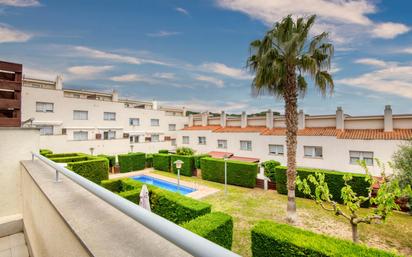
(115, 96)
(388, 121)
(223, 119)
(190, 120)
(59, 82)
(184, 111)
(205, 115)
(301, 120)
(243, 120)
(269, 119)
(154, 105)
(340, 119)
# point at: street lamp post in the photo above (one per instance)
(178, 164)
(131, 148)
(225, 157)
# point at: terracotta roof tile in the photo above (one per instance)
(257, 129)
(202, 128)
(243, 159)
(326, 131)
(375, 134)
(216, 154)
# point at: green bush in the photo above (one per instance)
(149, 160)
(131, 195)
(161, 161)
(334, 179)
(238, 173)
(59, 155)
(197, 159)
(94, 170)
(185, 151)
(45, 152)
(188, 164)
(132, 161)
(272, 239)
(216, 227)
(270, 169)
(165, 151)
(110, 158)
(70, 159)
(114, 185)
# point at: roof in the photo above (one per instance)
(323, 131)
(201, 128)
(375, 134)
(256, 129)
(216, 154)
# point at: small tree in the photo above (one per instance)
(402, 164)
(185, 151)
(384, 199)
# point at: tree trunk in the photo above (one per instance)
(355, 236)
(291, 115)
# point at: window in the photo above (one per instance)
(313, 151)
(355, 156)
(155, 138)
(80, 115)
(80, 135)
(185, 140)
(46, 130)
(107, 135)
(134, 139)
(172, 127)
(109, 116)
(202, 140)
(154, 122)
(222, 144)
(44, 107)
(276, 149)
(134, 122)
(245, 145)
(173, 142)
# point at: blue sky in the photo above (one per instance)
(193, 53)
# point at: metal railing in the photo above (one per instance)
(185, 239)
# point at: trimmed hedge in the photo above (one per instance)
(59, 155)
(238, 173)
(273, 239)
(188, 164)
(94, 170)
(334, 179)
(161, 161)
(197, 159)
(45, 151)
(270, 169)
(216, 227)
(110, 158)
(163, 151)
(132, 161)
(70, 159)
(131, 195)
(149, 160)
(114, 185)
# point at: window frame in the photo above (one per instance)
(314, 156)
(172, 124)
(134, 119)
(80, 111)
(199, 141)
(44, 110)
(277, 153)
(224, 141)
(361, 157)
(46, 126)
(152, 120)
(105, 114)
(248, 145)
(183, 140)
(81, 131)
(155, 135)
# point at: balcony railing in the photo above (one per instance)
(186, 240)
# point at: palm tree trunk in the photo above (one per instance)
(355, 235)
(291, 115)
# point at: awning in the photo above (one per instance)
(135, 133)
(47, 122)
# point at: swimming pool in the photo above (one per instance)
(164, 184)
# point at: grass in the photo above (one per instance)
(247, 206)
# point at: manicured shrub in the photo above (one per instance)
(238, 173)
(110, 158)
(70, 159)
(131, 195)
(334, 180)
(216, 227)
(270, 169)
(185, 151)
(149, 160)
(161, 162)
(163, 151)
(197, 159)
(188, 164)
(272, 239)
(94, 170)
(45, 151)
(59, 155)
(176, 207)
(114, 185)
(132, 161)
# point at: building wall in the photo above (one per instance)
(16, 145)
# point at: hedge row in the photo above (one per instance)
(110, 158)
(188, 164)
(238, 173)
(94, 169)
(272, 239)
(70, 159)
(45, 151)
(216, 227)
(132, 161)
(149, 160)
(58, 155)
(197, 159)
(161, 162)
(270, 169)
(334, 179)
(165, 151)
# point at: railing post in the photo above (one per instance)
(57, 178)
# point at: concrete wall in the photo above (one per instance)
(15, 145)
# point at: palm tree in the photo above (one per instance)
(281, 62)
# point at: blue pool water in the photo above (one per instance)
(164, 184)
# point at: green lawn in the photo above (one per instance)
(247, 206)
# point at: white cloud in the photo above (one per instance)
(407, 50)
(164, 75)
(225, 70)
(130, 78)
(8, 35)
(372, 62)
(39, 73)
(389, 30)
(212, 80)
(182, 10)
(211, 106)
(163, 33)
(20, 3)
(88, 70)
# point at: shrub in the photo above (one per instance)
(58, 155)
(402, 163)
(216, 227)
(110, 158)
(197, 159)
(70, 159)
(114, 185)
(270, 169)
(94, 170)
(131, 195)
(45, 151)
(161, 162)
(238, 173)
(188, 164)
(149, 160)
(185, 151)
(165, 151)
(334, 179)
(272, 239)
(132, 161)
